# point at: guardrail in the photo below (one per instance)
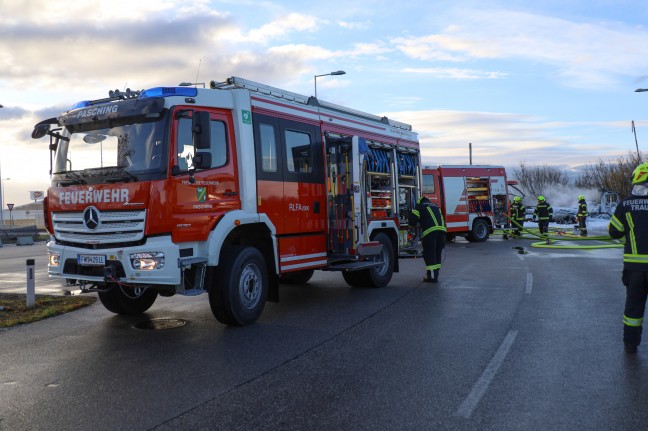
(7, 234)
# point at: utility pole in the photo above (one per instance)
(636, 143)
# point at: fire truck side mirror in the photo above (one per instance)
(201, 130)
(40, 130)
(202, 160)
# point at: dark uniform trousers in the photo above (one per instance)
(433, 245)
(636, 283)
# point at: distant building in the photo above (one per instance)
(25, 215)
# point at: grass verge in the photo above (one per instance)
(14, 310)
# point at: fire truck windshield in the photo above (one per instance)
(137, 149)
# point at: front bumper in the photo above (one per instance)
(119, 261)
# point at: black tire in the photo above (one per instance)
(479, 232)
(240, 287)
(297, 277)
(379, 276)
(117, 302)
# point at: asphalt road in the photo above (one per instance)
(505, 341)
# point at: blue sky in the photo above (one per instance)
(547, 83)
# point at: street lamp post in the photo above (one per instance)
(2, 196)
(638, 90)
(338, 72)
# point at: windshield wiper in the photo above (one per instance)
(74, 177)
(118, 173)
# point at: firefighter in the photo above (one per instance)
(582, 215)
(544, 213)
(433, 231)
(630, 220)
(517, 214)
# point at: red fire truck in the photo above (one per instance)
(473, 199)
(227, 190)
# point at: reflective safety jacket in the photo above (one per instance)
(430, 217)
(517, 212)
(543, 211)
(582, 209)
(630, 219)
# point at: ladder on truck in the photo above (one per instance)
(236, 82)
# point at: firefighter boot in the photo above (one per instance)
(583, 232)
(436, 276)
(428, 277)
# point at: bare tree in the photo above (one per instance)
(537, 180)
(612, 176)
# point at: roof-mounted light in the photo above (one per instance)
(170, 91)
(81, 104)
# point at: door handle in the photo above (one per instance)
(230, 193)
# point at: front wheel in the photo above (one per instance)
(137, 301)
(240, 288)
(378, 276)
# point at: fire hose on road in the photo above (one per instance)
(562, 239)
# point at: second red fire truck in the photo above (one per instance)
(473, 199)
(227, 190)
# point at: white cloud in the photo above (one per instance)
(277, 29)
(500, 138)
(357, 25)
(455, 73)
(579, 52)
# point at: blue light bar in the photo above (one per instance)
(81, 104)
(169, 91)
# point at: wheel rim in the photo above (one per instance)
(250, 286)
(481, 230)
(382, 268)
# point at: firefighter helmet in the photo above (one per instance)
(541, 198)
(581, 197)
(517, 199)
(640, 174)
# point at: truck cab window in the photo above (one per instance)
(428, 184)
(268, 148)
(298, 152)
(218, 149)
(185, 144)
(218, 144)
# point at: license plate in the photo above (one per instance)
(91, 259)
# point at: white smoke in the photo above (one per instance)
(565, 197)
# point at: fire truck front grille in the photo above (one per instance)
(99, 227)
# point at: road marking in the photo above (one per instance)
(529, 283)
(481, 386)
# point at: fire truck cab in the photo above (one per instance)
(227, 190)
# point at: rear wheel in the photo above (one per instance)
(378, 276)
(297, 277)
(480, 231)
(137, 301)
(240, 288)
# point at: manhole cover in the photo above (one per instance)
(161, 324)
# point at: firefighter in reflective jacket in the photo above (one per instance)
(433, 232)
(544, 213)
(582, 215)
(517, 213)
(630, 220)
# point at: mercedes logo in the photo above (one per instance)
(91, 218)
